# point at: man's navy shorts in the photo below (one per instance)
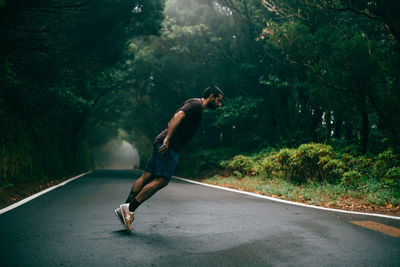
(162, 164)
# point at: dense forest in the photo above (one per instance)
(76, 74)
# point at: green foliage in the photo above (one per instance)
(322, 164)
(351, 179)
(17, 159)
(384, 162)
(391, 180)
(60, 80)
(236, 111)
(278, 163)
(204, 162)
(309, 163)
(240, 166)
(8, 75)
(132, 49)
(344, 56)
(293, 72)
(281, 75)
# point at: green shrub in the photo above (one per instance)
(351, 179)
(333, 169)
(361, 164)
(318, 163)
(391, 180)
(277, 164)
(269, 166)
(308, 163)
(268, 151)
(285, 156)
(241, 165)
(383, 162)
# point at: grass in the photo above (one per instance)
(316, 174)
(370, 198)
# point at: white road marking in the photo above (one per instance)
(286, 201)
(25, 200)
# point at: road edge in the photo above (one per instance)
(286, 201)
(25, 200)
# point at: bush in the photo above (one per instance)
(285, 156)
(317, 163)
(241, 166)
(312, 162)
(384, 162)
(277, 163)
(333, 169)
(361, 164)
(391, 180)
(351, 179)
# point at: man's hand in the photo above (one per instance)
(165, 146)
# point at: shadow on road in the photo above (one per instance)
(122, 233)
(144, 238)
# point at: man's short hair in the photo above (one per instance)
(212, 90)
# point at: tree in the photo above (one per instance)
(334, 43)
(53, 56)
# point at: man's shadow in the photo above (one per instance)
(147, 238)
(123, 232)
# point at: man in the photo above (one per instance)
(164, 158)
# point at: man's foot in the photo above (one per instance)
(127, 216)
(119, 216)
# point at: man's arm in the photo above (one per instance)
(174, 122)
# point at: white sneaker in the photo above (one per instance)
(127, 216)
(118, 213)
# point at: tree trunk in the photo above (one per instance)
(315, 123)
(337, 126)
(328, 128)
(348, 133)
(384, 118)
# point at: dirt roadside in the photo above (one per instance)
(16, 192)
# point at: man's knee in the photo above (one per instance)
(147, 177)
(161, 181)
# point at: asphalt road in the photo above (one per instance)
(184, 225)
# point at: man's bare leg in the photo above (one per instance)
(148, 190)
(144, 179)
(145, 192)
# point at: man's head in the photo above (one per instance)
(213, 97)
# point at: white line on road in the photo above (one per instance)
(21, 202)
(286, 201)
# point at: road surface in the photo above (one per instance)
(184, 225)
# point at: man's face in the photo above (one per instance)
(215, 101)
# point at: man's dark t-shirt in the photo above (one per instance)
(193, 109)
